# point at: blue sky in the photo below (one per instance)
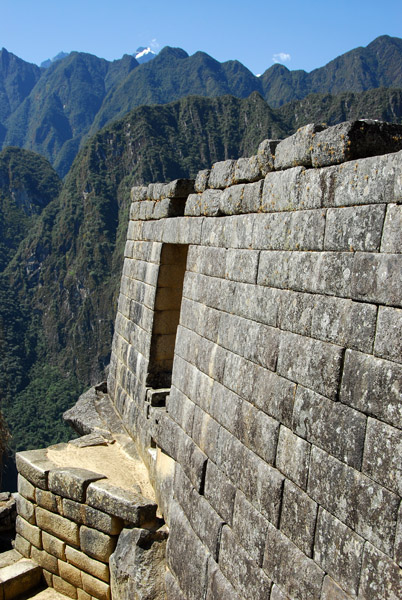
(302, 35)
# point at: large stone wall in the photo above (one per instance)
(275, 444)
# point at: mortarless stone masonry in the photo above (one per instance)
(267, 295)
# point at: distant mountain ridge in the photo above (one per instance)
(52, 111)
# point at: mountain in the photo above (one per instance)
(144, 55)
(46, 63)
(58, 108)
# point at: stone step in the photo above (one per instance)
(17, 577)
(44, 594)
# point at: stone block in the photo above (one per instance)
(252, 194)
(221, 175)
(247, 170)
(298, 575)
(310, 362)
(173, 591)
(241, 265)
(138, 193)
(273, 269)
(205, 522)
(266, 155)
(242, 572)
(193, 461)
(388, 339)
(250, 528)
(179, 188)
(257, 303)
(225, 408)
(182, 543)
(296, 311)
(19, 578)
(381, 577)
(298, 517)
(81, 595)
(377, 278)
(58, 526)
(274, 395)
(201, 181)
(258, 431)
(231, 200)
(181, 409)
(98, 589)
(277, 594)
(26, 489)
(360, 503)
(26, 509)
(22, 545)
(48, 577)
(357, 228)
(210, 201)
(63, 587)
(354, 139)
(52, 545)
(96, 544)
(85, 563)
(262, 485)
(71, 482)
(208, 261)
(181, 230)
(29, 532)
(239, 375)
(398, 539)
(332, 591)
(296, 149)
(281, 191)
(34, 466)
(293, 457)
(218, 586)
(45, 560)
(343, 322)
(372, 386)
(338, 551)
(124, 504)
(382, 455)
(219, 492)
(391, 236)
(334, 427)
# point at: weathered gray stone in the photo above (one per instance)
(63, 587)
(71, 482)
(298, 517)
(360, 503)
(258, 431)
(83, 416)
(182, 543)
(257, 303)
(320, 421)
(219, 492)
(45, 560)
(96, 544)
(201, 181)
(231, 200)
(95, 587)
(388, 339)
(125, 504)
(139, 193)
(381, 577)
(266, 155)
(221, 174)
(26, 509)
(327, 273)
(296, 149)
(173, 592)
(373, 386)
(277, 594)
(247, 170)
(398, 539)
(356, 228)
(137, 566)
(28, 532)
(354, 139)
(338, 551)
(58, 526)
(52, 545)
(249, 580)
(312, 363)
(293, 457)
(290, 568)
(70, 574)
(193, 461)
(250, 528)
(380, 462)
(332, 591)
(274, 395)
(208, 261)
(34, 466)
(22, 546)
(252, 194)
(241, 265)
(179, 188)
(218, 586)
(25, 488)
(296, 311)
(392, 237)
(281, 191)
(377, 278)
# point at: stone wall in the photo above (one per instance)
(274, 445)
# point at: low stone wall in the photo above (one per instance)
(275, 450)
(69, 522)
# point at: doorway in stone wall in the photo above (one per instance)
(169, 293)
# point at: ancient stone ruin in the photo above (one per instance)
(248, 442)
